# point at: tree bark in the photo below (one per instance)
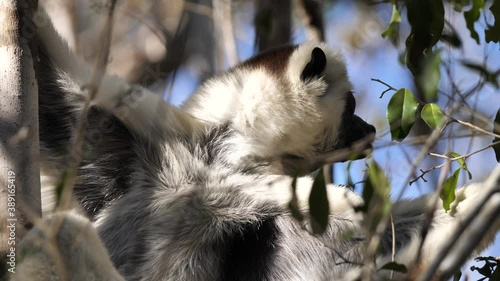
(19, 150)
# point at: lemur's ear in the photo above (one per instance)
(315, 66)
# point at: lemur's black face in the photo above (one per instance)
(355, 133)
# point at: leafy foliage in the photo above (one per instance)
(448, 190)
(432, 115)
(60, 186)
(395, 267)
(458, 5)
(426, 18)
(293, 205)
(428, 80)
(472, 15)
(393, 27)
(492, 34)
(375, 195)
(496, 148)
(401, 113)
(461, 161)
(318, 204)
(490, 270)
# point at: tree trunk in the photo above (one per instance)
(19, 150)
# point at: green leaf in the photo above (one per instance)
(401, 113)
(461, 161)
(452, 39)
(293, 205)
(457, 276)
(492, 34)
(485, 270)
(496, 148)
(392, 29)
(428, 80)
(318, 204)
(472, 16)
(60, 186)
(495, 276)
(488, 75)
(458, 5)
(376, 190)
(395, 267)
(432, 115)
(426, 18)
(448, 191)
(367, 195)
(378, 180)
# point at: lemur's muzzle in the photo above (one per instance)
(354, 141)
(355, 133)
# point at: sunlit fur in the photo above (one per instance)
(198, 192)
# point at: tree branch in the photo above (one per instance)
(481, 219)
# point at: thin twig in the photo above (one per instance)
(50, 233)
(393, 232)
(451, 159)
(76, 152)
(429, 215)
(389, 87)
(465, 156)
(435, 135)
(476, 128)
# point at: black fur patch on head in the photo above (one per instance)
(274, 60)
(315, 66)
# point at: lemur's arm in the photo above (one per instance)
(139, 109)
(120, 117)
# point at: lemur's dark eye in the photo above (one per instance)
(350, 104)
(315, 66)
